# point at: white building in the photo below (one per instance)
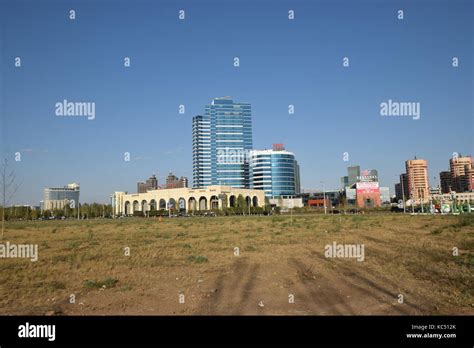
(185, 199)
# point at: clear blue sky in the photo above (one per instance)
(190, 62)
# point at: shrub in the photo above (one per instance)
(197, 259)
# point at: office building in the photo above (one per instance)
(315, 198)
(297, 178)
(274, 171)
(353, 172)
(344, 182)
(398, 191)
(401, 188)
(58, 197)
(222, 138)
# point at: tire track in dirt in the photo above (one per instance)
(316, 294)
(386, 293)
(232, 291)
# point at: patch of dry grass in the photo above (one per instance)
(78, 257)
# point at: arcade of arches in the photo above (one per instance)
(185, 199)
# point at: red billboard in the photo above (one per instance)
(367, 187)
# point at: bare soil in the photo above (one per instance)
(278, 260)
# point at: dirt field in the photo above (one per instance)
(195, 257)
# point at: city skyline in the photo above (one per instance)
(137, 108)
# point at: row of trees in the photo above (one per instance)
(266, 210)
(84, 211)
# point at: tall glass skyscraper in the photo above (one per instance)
(274, 171)
(222, 139)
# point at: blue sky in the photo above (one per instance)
(190, 62)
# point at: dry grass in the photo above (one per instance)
(409, 255)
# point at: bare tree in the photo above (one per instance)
(8, 187)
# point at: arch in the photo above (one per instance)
(255, 201)
(203, 203)
(172, 201)
(232, 201)
(192, 203)
(144, 206)
(127, 208)
(214, 202)
(135, 206)
(152, 205)
(181, 204)
(248, 201)
(162, 204)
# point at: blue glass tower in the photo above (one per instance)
(222, 139)
(275, 172)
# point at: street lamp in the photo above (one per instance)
(324, 197)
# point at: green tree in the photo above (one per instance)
(35, 214)
(240, 205)
(225, 202)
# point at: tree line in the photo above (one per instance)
(84, 211)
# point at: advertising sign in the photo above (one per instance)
(368, 175)
(367, 187)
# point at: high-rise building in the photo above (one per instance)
(445, 181)
(470, 179)
(222, 138)
(418, 184)
(152, 183)
(183, 181)
(353, 173)
(404, 186)
(172, 181)
(398, 191)
(344, 182)
(297, 178)
(274, 171)
(460, 167)
(141, 187)
(202, 176)
(58, 197)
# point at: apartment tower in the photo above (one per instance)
(417, 175)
